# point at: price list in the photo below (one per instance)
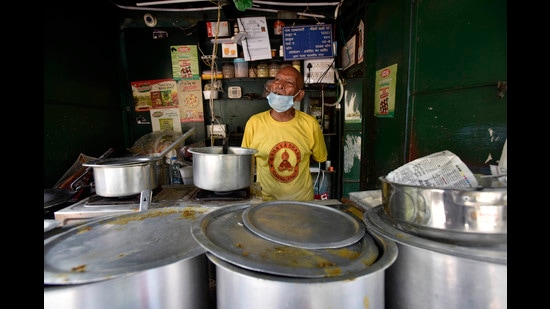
(307, 42)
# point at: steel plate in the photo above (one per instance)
(302, 224)
(223, 233)
(121, 245)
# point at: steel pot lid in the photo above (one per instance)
(121, 245)
(223, 233)
(218, 150)
(121, 161)
(303, 225)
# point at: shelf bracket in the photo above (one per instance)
(237, 38)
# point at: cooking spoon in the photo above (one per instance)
(177, 142)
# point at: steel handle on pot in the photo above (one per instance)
(177, 142)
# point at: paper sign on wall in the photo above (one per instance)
(190, 98)
(348, 53)
(165, 119)
(185, 62)
(257, 45)
(384, 91)
(360, 42)
(156, 93)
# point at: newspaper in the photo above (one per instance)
(441, 169)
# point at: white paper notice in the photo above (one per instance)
(255, 44)
(165, 119)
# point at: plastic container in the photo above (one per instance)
(228, 70)
(273, 69)
(209, 92)
(241, 67)
(207, 74)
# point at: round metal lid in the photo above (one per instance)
(223, 233)
(121, 245)
(304, 225)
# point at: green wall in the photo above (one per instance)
(451, 55)
(82, 100)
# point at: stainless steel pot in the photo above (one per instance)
(124, 176)
(215, 170)
(114, 177)
(357, 290)
(459, 215)
(139, 260)
(431, 274)
(254, 272)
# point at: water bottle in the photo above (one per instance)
(175, 175)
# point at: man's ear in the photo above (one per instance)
(300, 95)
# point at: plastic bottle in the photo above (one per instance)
(175, 174)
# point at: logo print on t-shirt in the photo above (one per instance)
(284, 161)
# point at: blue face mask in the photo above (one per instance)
(280, 103)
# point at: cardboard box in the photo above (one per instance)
(211, 28)
(229, 50)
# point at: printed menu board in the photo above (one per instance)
(307, 42)
(185, 62)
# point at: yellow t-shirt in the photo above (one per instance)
(284, 152)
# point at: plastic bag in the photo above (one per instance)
(154, 142)
(320, 186)
(242, 5)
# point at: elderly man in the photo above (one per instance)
(286, 140)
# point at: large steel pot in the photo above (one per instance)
(215, 170)
(254, 272)
(139, 260)
(430, 274)
(459, 215)
(125, 176)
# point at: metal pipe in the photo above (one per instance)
(124, 7)
(168, 2)
(297, 3)
(297, 13)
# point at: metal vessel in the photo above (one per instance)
(429, 274)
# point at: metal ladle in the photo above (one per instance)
(177, 142)
(147, 195)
